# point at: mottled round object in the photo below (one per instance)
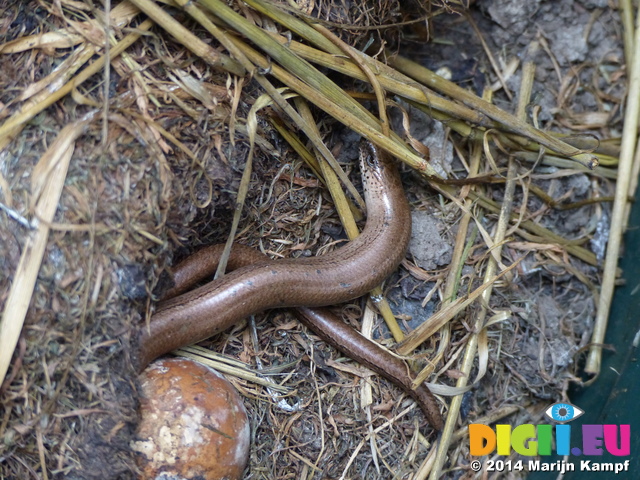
(193, 424)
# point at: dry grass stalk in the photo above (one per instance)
(229, 366)
(620, 205)
(406, 87)
(13, 125)
(46, 187)
(477, 344)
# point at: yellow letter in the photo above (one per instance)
(503, 432)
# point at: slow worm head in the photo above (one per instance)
(258, 284)
(344, 274)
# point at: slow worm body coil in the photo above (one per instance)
(257, 284)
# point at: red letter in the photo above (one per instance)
(611, 440)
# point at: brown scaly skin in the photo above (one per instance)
(256, 284)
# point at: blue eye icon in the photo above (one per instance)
(563, 412)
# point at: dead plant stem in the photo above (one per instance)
(625, 168)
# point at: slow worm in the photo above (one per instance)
(256, 284)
